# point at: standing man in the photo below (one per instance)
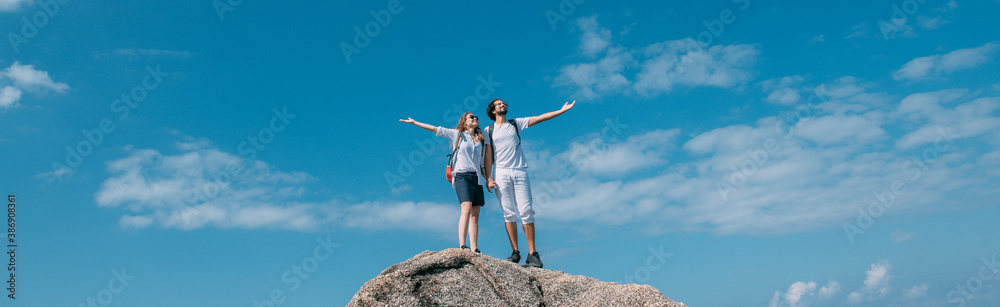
(513, 188)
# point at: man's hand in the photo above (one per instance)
(567, 106)
(534, 120)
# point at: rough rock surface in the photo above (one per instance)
(455, 277)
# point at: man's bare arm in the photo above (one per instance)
(534, 120)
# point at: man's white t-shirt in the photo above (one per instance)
(469, 157)
(508, 150)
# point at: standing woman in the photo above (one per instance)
(472, 164)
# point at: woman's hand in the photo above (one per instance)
(427, 127)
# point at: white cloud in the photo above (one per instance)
(784, 91)
(653, 69)
(28, 78)
(861, 30)
(836, 129)
(931, 23)
(901, 235)
(134, 53)
(951, 6)
(896, 27)
(675, 63)
(203, 187)
(876, 285)
(18, 78)
(597, 156)
(404, 215)
(916, 292)
(842, 87)
(9, 96)
(135, 222)
(594, 38)
(941, 124)
(797, 291)
(817, 39)
(754, 178)
(939, 65)
(53, 175)
(593, 79)
(831, 288)
(13, 5)
(801, 293)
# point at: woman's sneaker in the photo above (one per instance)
(515, 257)
(533, 260)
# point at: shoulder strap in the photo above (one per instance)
(518, 131)
(452, 157)
(489, 131)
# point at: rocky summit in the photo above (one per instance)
(456, 277)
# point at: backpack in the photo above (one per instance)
(490, 130)
(452, 157)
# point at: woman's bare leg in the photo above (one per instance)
(463, 222)
(474, 227)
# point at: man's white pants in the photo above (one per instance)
(514, 194)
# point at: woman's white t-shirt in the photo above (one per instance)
(469, 157)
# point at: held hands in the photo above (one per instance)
(491, 185)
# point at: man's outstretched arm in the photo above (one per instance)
(534, 120)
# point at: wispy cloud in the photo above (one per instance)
(139, 53)
(901, 235)
(13, 5)
(938, 65)
(816, 40)
(916, 292)
(655, 68)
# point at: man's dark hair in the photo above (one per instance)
(490, 110)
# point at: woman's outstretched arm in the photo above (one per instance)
(419, 124)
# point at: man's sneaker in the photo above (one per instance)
(478, 252)
(533, 260)
(463, 247)
(515, 257)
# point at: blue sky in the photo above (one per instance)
(728, 153)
